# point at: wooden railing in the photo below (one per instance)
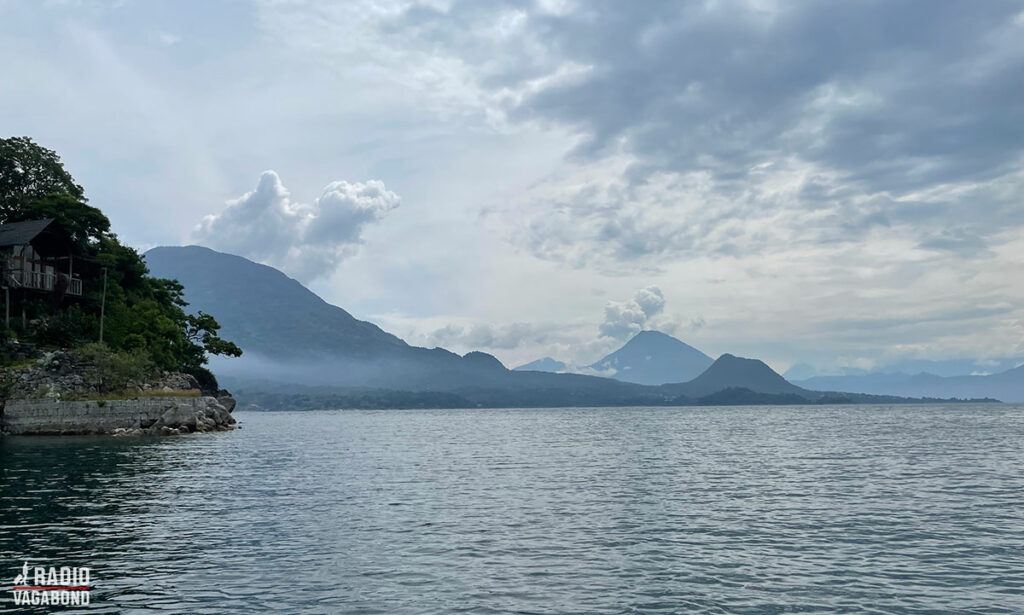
(39, 280)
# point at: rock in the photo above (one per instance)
(221, 414)
(224, 398)
(208, 414)
(176, 381)
(205, 424)
(177, 415)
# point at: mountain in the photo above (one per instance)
(654, 358)
(729, 371)
(263, 310)
(292, 337)
(1006, 386)
(547, 364)
(301, 352)
(290, 334)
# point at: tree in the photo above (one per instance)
(201, 330)
(29, 171)
(84, 223)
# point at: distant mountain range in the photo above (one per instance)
(908, 367)
(1006, 386)
(655, 358)
(301, 352)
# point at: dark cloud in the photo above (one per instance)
(897, 94)
(869, 103)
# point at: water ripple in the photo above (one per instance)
(645, 510)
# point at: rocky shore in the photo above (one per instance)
(58, 394)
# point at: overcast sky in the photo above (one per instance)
(835, 183)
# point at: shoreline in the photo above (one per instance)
(143, 415)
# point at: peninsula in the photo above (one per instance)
(90, 342)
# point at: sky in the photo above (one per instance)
(838, 185)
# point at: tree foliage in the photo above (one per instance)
(143, 314)
(85, 223)
(29, 172)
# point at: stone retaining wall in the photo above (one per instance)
(140, 415)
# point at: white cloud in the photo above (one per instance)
(624, 319)
(305, 240)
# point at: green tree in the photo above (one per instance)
(201, 331)
(86, 224)
(29, 171)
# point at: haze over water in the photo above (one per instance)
(908, 509)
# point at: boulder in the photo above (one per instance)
(178, 415)
(225, 399)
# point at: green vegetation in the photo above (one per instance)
(109, 371)
(102, 398)
(145, 324)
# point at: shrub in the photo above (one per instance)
(61, 330)
(107, 370)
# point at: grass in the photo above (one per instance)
(188, 393)
(105, 397)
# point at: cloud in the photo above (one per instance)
(305, 240)
(732, 129)
(574, 344)
(957, 241)
(490, 336)
(571, 342)
(624, 319)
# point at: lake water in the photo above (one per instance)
(639, 510)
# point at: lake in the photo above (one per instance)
(903, 509)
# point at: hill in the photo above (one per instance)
(729, 371)
(654, 358)
(547, 364)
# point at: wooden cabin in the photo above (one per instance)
(38, 256)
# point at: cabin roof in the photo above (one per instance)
(47, 236)
(21, 233)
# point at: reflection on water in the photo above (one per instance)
(724, 510)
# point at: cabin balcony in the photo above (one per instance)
(45, 281)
